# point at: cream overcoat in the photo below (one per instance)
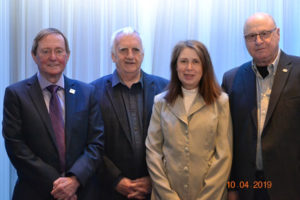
(189, 155)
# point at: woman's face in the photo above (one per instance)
(189, 68)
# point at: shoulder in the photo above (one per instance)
(229, 76)
(232, 72)
(101, 81)
(156, 79)
(160, 97)
(21, 85)
(222, 101)
(78, 84)
(294, 59)
(223, 98)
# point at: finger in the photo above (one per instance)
(133, 195)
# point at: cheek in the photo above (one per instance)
(63, 61)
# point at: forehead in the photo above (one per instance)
(52, 40)
(188, 52)
(128, 40)
(258, 23)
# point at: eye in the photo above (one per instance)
(45, 51)
(264, 33)
(123, 50)
(251, 36)
(183, 61)
(59, 51)
(196, 61)
(136, 49)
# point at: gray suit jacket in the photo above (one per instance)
(281, 133)
(30, 139)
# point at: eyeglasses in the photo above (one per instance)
(48, 52)
(262, 35)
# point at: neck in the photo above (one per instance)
(51, 79)
(267, 61)
(130, 78)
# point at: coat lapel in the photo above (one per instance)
(248, 79)
(148, 97)
(119, 108)
(197, 105)
(37, 98)
(280, 79)
(70, 107)
(178, 110)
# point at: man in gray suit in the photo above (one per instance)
(264, 99)
(126, 99)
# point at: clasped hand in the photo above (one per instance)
(134, 189)
(64, 188)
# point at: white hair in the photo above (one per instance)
(123, 31)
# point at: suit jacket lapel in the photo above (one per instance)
(70, 107)
(119, 108)
(178, 110)
(248, 78)
(148, 97)
(36, 95)
(280, 79)
(197, 105)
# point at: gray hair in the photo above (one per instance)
(123, 31)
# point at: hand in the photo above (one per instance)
(65, 188)
(233, 195)
(142, 187)
(74, 197)
(125, 186)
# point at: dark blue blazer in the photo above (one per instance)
(281, 133)
(119, 159)
(30, 139)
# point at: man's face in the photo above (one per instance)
(264, 47)
(51, 56)
(128, 54)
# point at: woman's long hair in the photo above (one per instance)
(209, 89)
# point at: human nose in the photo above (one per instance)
(52, 55)
(130, 54)
(189, 66)
(258, 39)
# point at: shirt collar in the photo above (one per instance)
(271, 68)
(45, 83)
(116, 79)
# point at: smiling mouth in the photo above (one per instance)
(53, 65)
(129, 63)
(188, 76)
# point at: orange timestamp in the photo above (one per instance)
(247, 185)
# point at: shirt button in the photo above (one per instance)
(186, 169)
(186, 132)
(186, 186)
(186, 149)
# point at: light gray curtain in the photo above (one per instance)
(89, 24)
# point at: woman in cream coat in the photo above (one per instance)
(189, 142)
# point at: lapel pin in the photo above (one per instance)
(284, 70)
(72, 91)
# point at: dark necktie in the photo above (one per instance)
(263, 70)
(55, 112)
